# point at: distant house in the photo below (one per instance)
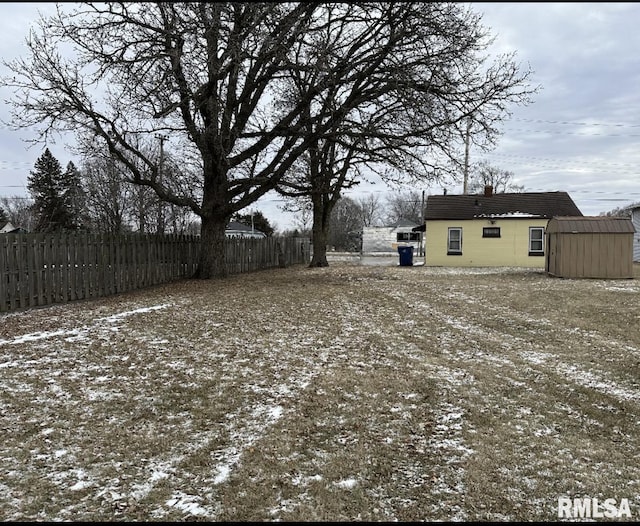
(7, 228)
(236, 229)
(384, 240)
(491, 229)
(635, 219)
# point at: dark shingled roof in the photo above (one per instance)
(530, 204)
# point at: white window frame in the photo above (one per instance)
(536, 252)
(450, 251)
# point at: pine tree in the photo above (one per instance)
(45, 183)
(73, 197)
(4, 217)
(257, 219)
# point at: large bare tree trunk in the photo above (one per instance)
(213, 263)
(319, 234)
(319, 258)
(216, 213)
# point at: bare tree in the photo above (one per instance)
(621, 211)
(371, 209)
(326, 170)
(415, 74)
(204, 74)
(210, 77)
(405, 206)
(110, 199)
(19, 211)
(345, 226)
(303, 214)
(486, 175)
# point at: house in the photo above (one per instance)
(635, 219)
(7, 228)
(384, 240)
(236, 229)
(590, 247)
(491, 229)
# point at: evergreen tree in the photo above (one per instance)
(257, 219)
(3, 216)
(74, 197)
(45, 183)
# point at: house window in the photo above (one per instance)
(491, 231)
(454, 242)
(408, 236)
(536, 241)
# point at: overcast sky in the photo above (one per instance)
(581, 134)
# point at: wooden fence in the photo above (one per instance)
(247, 254)
(41, 269)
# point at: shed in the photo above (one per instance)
(635, 218)
(590, 247)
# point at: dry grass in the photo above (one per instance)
(345, 393)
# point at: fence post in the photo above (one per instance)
(4, 273)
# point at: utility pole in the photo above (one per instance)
(466, 157)
(422, 234)
(160, 227)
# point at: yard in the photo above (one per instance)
(349, 393)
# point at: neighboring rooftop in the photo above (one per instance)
(7, 228)
(236, 227)
(543, 205)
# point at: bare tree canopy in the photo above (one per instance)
(621, 211)
(502, 181)
(20, 211)
(371, 209)
(419, 73)
(214, 78)
(405, 206)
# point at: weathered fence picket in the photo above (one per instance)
(41, 269)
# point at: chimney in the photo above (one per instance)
(488, 190)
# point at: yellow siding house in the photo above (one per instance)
(491, 230)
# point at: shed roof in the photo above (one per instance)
(526, 204)
(591, 224)
(404, 223)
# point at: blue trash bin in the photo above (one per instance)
(406, 256)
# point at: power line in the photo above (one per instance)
(573, 123)
(555, 160)
(613, 168)
(580, 134)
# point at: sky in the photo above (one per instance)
(581, 133)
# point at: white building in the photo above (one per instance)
(6, 227)
(384, 240)
(235, 229)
